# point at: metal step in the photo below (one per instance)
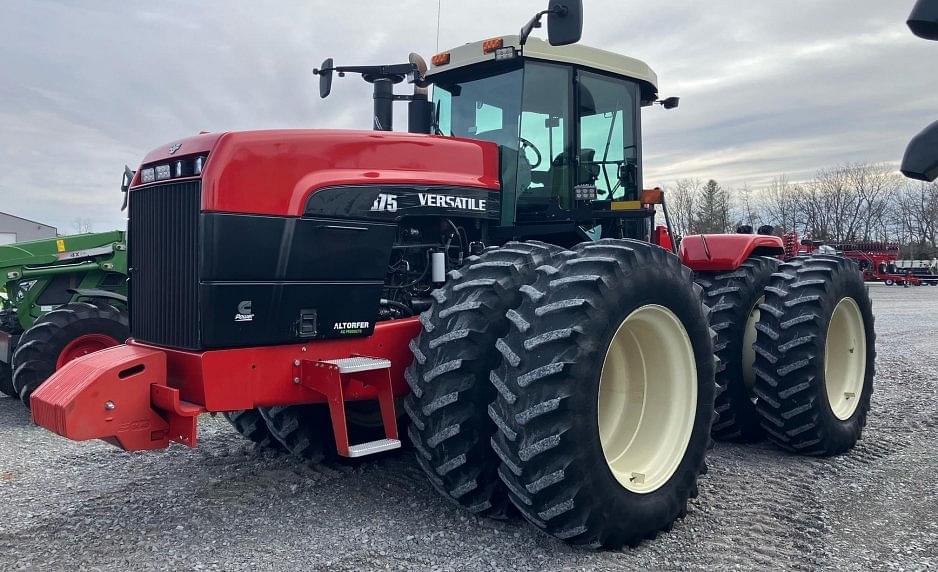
(356, 364)
(372, 447)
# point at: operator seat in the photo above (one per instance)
(586, 174)
(554, 193)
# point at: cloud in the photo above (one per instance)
(767, 87)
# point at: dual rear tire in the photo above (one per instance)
(599, 395)
(449, 377)
(734, 298)
(815, 356)
(797, 351)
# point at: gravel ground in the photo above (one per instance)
(225, 505)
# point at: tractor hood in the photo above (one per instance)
(275, 171)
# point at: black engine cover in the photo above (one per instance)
(271, 280)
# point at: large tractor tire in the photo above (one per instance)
(68, 332)
(453, 358)
(815, 354)
(6, 381)
(734, 298)
(251, 425)
(605, 394)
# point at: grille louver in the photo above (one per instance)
(164, 259)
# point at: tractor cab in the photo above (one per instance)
(566, 119)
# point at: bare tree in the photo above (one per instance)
(682, 202)
(748, 207)
(82, 225)
(780, 204)
(850, 202)
(915, 215)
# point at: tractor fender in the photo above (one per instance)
(721, 252)
(97, 293)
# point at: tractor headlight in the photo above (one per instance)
(506, 53)
(147, 175)
(162, 172)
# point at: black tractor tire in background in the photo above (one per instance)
(39, 347)
(733, 298)
(303, 430)
(796, 367)
(306, 430)
(251, 425)
(6, 381)
(550, 412)
(449, 378)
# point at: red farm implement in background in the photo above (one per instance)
(877, 260)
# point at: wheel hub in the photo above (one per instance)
(647, 398)
(845, 359)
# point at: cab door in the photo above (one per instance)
(608, 142)
(545, 154)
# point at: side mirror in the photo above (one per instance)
(564, 22)
(921, 156)
(127, 179)
(670, 103)
(923, 21)
(325, 78)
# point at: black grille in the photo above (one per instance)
(164, 261)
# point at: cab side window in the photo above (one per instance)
(607, 119)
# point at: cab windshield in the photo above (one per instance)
(480, 105)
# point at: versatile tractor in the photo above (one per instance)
(64, 297)
(497, 274)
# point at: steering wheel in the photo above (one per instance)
(525, 144)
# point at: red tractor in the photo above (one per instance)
(496, 274)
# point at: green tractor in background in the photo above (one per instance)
(60, 298)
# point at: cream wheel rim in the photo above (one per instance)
(647, 398)
(845, 358)
(749, 352)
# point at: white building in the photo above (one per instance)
(18, 229)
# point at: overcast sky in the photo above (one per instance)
(767, 87)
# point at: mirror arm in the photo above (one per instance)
(535, 22)
(125, 185)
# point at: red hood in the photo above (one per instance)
(275, 171)
(195, 145)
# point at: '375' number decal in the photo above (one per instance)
(385, 203)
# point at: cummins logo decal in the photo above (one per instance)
(451, 202)
(244, 312)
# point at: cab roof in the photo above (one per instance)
(536, 48)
